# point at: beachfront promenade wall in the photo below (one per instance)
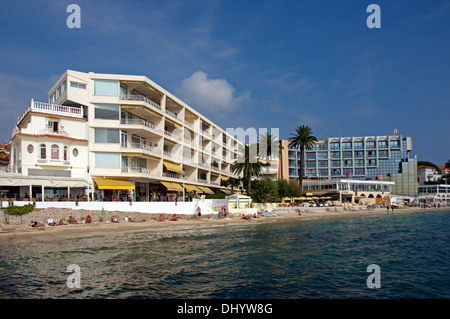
(207, 206)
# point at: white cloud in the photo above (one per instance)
(209, 95)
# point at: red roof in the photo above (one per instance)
(53, 135)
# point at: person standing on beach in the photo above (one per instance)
(199, 213)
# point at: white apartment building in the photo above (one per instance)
(130, 136)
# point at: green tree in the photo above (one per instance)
(265, 190)
(288, 189)
(231, 181)
(247, 163)
(303, 139)
(265, 143)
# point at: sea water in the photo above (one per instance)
(316, 258)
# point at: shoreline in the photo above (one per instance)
(22, 234)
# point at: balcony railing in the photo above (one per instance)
(132, 97)
(177, 137)
(52, 109)
(137, 122)
(171, 175)
(171, 113)
(141, 146)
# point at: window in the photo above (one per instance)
(358, 143)
(107, 135)
(55, 152)
(394, 142)
(107, 160)
(106, 111)
(66, 153)
(107, 88)
(137, 163)
(43, 151)
(63, 86)
(382, 143)
(30, 148)
(334, 145)
(77, 85)
(346, 144)
(370, 143)
(75, 152)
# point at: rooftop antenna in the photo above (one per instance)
(395, 131)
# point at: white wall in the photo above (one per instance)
(181, 208)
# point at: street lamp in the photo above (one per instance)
(184, 175)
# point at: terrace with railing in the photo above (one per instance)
(132, 97)
(53, 109)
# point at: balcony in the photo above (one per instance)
(52, 109)
(172, 114)
(172, 135)
(144, 147)
(171, 175)
(131, 97)
(137, 122)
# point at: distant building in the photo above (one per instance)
(4, 157)
(359, 158)
(427, 174)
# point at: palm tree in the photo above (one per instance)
(265, 143)
(247, 164)
(304, 139)
(231, 181)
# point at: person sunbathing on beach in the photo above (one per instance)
(161, 218)
(88, 219)
(174, 218)
(61, 222)
(72, 220)
(244, 217)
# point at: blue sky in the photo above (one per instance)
(262, 64)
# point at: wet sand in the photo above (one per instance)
(17, 234)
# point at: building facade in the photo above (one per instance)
(357, 157)
(122, 135)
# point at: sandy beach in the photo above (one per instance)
(22, 233)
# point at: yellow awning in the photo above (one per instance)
(173, 167)
(226, 191)
(135, 82)
(173, 122)
(224, 178)
(205, 190)
(109, 183)
(131, 154)
(131, 106)
(150, 157)
(172, 186)
(191, 188)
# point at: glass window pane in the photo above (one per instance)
(107, 135)
(108, 88)
(106, 111)
(107, 160)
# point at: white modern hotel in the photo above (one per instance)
(112, 136)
